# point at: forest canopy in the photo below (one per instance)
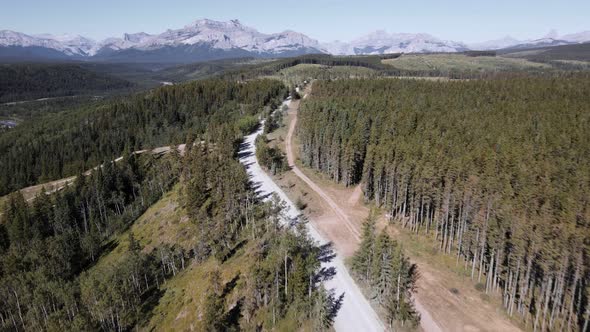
(32, 81)
(496, 170)
(71, 142)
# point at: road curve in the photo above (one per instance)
(356, 314)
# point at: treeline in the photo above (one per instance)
(47, 243)
(496, 171)
(33, 81)
(29, 110)
(64, 144)
(269, 69)
(372, 62)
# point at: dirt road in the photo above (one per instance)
(426, 321)
(29, 193)
(356, 313)
(339, 212)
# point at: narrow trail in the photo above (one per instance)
(426, 321)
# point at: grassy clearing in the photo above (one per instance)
(302, 72)
(454, 275)
(460, 62)
(424, 248)
(163, 223)
(181, 306)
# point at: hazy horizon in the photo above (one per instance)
(326, 20)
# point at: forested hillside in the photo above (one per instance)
(33, 81)
(496, 171)
(46, 245)
(54, 275)
(74, 141)
(58, 269)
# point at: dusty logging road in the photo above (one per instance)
(356, 314)
(426, 321)
(29, 193)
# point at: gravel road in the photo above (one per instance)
(356, 314)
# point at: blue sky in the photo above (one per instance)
(325, 20)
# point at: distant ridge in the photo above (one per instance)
(207, 39)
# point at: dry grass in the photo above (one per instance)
(460, 62)
(163, 223)
(301, 72)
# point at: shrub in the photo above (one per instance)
(480, 287)
(300, 204)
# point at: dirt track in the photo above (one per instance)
(439, 309)
(339, 212)
(426, 321)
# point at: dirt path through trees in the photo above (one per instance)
(339, 212)
(440, 309)
(426, 321)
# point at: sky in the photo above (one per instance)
(325, 20)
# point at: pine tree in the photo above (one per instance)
(363, 258)
(214, 308)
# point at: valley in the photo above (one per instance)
(217, 177)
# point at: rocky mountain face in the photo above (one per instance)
(380, 42)
(208, 39)
(551, 39)
(203, 39)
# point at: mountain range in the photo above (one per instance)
(208, 39)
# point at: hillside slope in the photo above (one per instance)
(33, 81)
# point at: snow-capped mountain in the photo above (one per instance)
(203, 39)
(380, 42)
(495, 44)
(12, 38)
(550, 39)
(72, 44)
(228, 37)
(580, 37)
(208, 39)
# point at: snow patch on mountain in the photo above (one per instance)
(219, 35)
(380, 42)
(580, 37)
(233, 37)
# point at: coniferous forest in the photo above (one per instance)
(52, 274)
(381, 266)
(32, 81)
(53, 147)
(496, 171)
